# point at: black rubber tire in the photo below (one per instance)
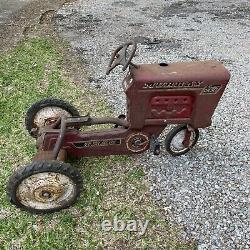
(40, 167)
(49, 102)
(173, 133)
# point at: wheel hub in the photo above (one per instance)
(47, 190)
(48, 193)
(48, 116)
(178, 144)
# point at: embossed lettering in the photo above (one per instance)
(172, 85)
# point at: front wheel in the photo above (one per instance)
(181, 139)
(44, 186)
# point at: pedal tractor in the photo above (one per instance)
(184, 93)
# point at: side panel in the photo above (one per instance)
(103, 142)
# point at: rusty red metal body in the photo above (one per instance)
(157, 95)
(185, 93)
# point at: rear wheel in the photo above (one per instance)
(47, 112)
(181, 139)
(44, 186)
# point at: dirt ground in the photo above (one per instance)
(18, 17)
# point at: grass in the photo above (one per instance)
(114, 186)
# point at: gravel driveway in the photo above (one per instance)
(206, 191)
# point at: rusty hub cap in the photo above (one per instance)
(46, 190)
(177, 143)
(48, 116)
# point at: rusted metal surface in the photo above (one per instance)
(46, 190)
(157, 95)
(119, 57)
(83, 121)
(137, 142)
(48, 116)
(171, 106)
(48, 155)
(60, 138)
(202, 82)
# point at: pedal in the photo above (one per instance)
(155, 145)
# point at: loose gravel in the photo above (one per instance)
(207, 190)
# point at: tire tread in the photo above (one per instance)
(39, 167)
(171, 135)
(36, 107)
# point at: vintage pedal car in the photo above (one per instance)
(184, 93)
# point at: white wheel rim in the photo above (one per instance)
(48, 190)
(176, 144)
(49, 115)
